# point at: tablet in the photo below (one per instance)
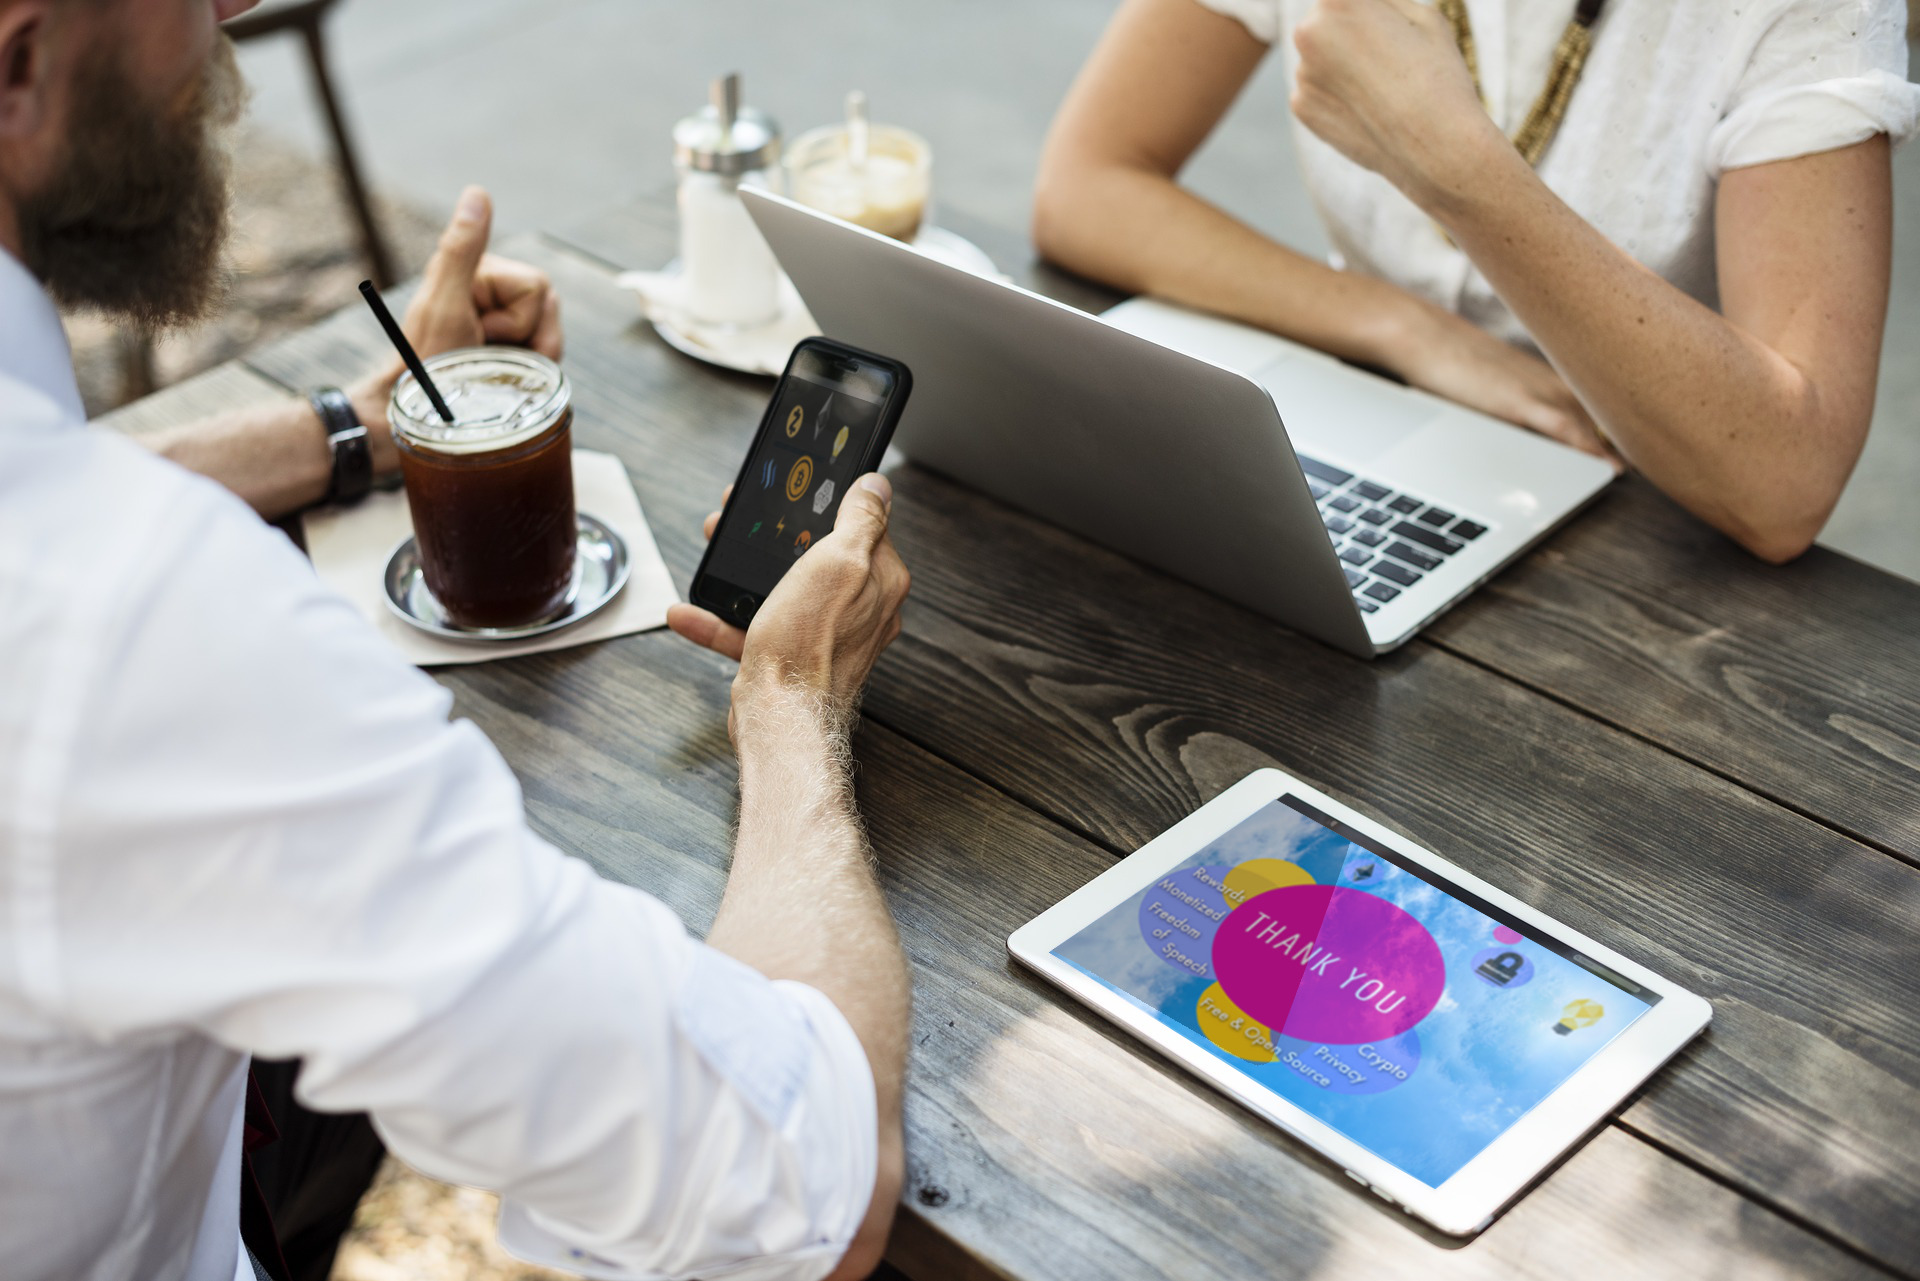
(1440, 1040)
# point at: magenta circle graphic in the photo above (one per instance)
(1501, 934)
(1328, 963)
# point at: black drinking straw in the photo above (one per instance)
(405, 348)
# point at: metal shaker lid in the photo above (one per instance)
(725, 137)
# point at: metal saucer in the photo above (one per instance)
(599, 572)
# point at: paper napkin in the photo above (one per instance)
(350, 547)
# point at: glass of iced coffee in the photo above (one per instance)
(884, 186)
(492, 491)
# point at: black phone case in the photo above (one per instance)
(739, 605)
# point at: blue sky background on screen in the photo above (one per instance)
(1487, 1053)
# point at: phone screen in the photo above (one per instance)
(825, 413)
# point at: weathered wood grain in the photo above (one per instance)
(1041, 1143)
(227, 387)
(1026, 662)
(1800, 682)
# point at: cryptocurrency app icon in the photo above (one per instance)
(767, 474)
(756, 528)
(780, 528)
(794, 419)
(799, 478)
(822, 496)
(801, 543)
(840, 442)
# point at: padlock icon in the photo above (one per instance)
(1502, 969)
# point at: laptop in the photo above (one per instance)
(1337, 502)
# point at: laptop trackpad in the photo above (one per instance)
(1350, 414)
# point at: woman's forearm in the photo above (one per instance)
(1751, 439)
(1141, 231)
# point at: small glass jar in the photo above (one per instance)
(888, 192)
(731, 278)
(491, 492)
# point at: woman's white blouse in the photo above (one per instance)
(1675, 93)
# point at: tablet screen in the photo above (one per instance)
(1408, 1014)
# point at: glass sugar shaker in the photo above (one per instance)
(730, 275)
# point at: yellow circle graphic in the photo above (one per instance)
(794, 420)
(1258, 875)
(1227, 1026)
(799, 478)
(840, 442)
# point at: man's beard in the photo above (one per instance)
(133, 222)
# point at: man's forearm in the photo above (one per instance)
(801, 901)
(275, 457)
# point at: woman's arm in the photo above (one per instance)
(1753, 417)
(1108, 206)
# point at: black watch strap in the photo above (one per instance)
(347, 442)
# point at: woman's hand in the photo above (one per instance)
(1451, 357)
(1382, 82)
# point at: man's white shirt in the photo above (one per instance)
(233, 822)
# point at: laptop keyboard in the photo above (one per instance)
(1387, 539)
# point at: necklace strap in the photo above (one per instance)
(1569, 60)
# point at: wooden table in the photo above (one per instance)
(1709, 764)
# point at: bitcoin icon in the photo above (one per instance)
(794, 420)
(799, 478)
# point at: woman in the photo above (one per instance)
(1691, 222)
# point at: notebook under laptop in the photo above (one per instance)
(1159, 432)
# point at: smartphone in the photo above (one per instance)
(828, 423)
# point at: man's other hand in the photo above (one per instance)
(469, 297)
(823, 627)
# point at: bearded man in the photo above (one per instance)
(234, 823)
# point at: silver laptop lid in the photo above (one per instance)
(1179, 463)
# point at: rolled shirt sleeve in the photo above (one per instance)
(272, 835)
(1261, 18)
(1822, 75)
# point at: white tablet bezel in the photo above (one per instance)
(1468, 1201)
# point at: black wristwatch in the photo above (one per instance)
(347, 442)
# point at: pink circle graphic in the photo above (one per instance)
(1327, 963)
(1501, 934)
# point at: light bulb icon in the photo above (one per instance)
(1578, 1014)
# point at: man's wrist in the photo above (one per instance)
(770, 712)
(369, 397)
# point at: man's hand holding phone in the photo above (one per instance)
(821, 629)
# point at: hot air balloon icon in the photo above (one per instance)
(1579, 1014)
